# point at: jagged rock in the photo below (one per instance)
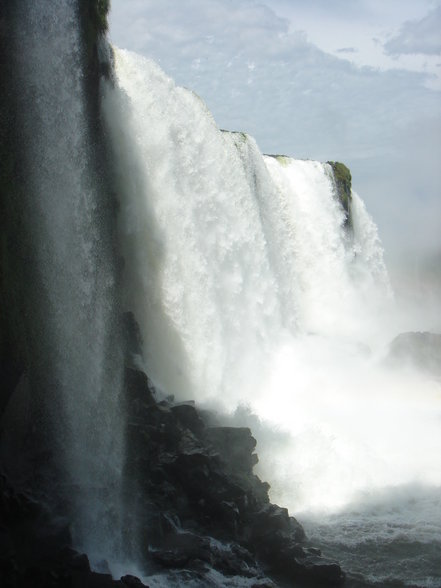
(343, 185)
(132, 582)
(202, 504)
(272, 520)
(235, 445)
(190, 549)
(187, 415)
(139, 388)
(178, 548)
(198, 506)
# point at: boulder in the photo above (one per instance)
(235, 446)
(188, 417)
(421, 350)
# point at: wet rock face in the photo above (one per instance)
(343, 186)
(202, 507)
(235, 446)
(193, 508)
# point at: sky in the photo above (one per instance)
(357, 81)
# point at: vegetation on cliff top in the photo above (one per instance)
(100, 10)
(93, 15)
(282, 159)
(343, 184)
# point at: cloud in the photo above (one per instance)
(418, 36)
(190, 26)
(341, 9)
(347, 50)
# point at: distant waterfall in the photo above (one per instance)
(340, 272)
(76, 361)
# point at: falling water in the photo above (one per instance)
(76, 362)
(252, 292)
(196, 255)
(227, 253)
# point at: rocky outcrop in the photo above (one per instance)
(421, 350)
(343, 186)
(199, 504)
(193, 508)
(341, 178)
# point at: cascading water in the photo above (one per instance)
(227, 253)
(76, 361)
(196, 255)
(249, 289)
(335, 268)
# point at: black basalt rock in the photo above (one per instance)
(203, 507)
(188, 416)
(235, 446)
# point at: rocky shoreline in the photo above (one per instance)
(199, 508)
(197, 484)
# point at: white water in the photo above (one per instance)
(76, 362)
(250, 290)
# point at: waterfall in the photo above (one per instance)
(76, 361)
(196, 254)
(255, 294)
(337, 269)
(227, 252)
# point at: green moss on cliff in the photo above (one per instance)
(100, 10)
(343, 184)
(282, 159)
(239, 134)
(93, 16)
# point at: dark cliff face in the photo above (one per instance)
(22, 304)
(93, 20)
(343, 185)
(43, 209)
(13, 243)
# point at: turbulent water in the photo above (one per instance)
(78, 373)
(253, 294)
